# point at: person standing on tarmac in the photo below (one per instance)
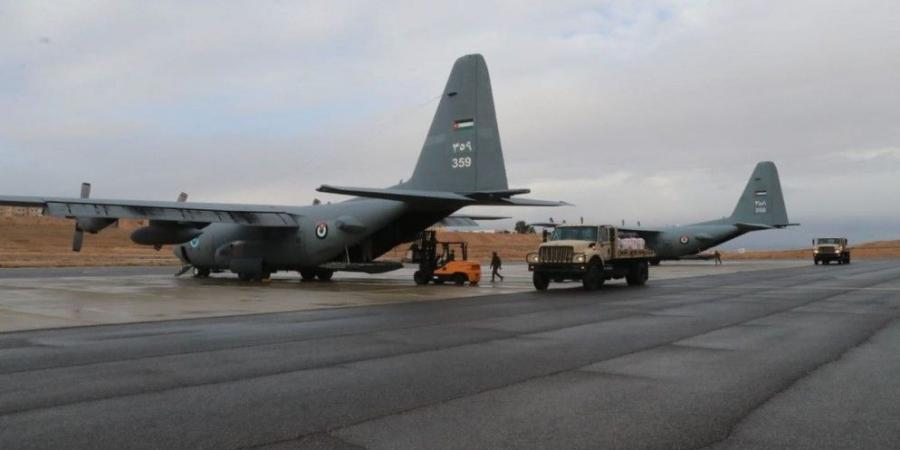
(495, 267)
(718, 257)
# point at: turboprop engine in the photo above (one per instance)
(90, 224)
(164, 233)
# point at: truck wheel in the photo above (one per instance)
(638, 274)
(541, 281)
(308, 274)
(594, 277)
(420, 278)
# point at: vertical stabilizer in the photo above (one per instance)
(462, 152)
(762, 201)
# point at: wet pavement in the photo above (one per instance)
(793, 357)
(48, 298)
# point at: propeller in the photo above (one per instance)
(78, 237)
(182, 197)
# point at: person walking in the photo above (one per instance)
(718, 257)
(496, 263)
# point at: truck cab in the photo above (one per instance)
(591, 254)
(827, 249)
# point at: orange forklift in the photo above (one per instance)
(446, 266)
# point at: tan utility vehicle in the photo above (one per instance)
(592, 254)
(826, 250)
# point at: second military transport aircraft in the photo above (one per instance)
(460, 164)
(760, 207)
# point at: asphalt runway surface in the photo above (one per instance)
(803, 357)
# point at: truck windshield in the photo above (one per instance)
(829, 241)
(574, 234)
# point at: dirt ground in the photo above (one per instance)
(47, 241)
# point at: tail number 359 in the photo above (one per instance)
(458, 163)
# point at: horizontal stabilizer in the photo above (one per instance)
(477, 217)
(753, 226)
(459, 220)
(402, 195)
(494, 198)
(529, 202)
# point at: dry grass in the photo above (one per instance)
(46, 242)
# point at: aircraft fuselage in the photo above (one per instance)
(358, 230)
(676, 242)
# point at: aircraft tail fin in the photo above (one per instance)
(762, 202)
(462, 151)
(461, 162)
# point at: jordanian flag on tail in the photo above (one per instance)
(760, 193)
(462, 124)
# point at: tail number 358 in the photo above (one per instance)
(458, 163)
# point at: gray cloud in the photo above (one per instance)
(651, 111)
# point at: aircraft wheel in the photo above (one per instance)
(654, 262)
(420, 278)
(245, 276)
(459, 279)
(438, 281)
(324, 274)
(308, 274)
(541, 281)
(201, 272)
(593, 279)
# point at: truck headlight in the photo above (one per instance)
(532, 258)
(838, 249)
(816, 251)
(580, 258)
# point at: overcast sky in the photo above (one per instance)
(651, 111)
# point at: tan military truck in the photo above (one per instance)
(826, 250)
(591, 254)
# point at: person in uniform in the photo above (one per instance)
(496, 263)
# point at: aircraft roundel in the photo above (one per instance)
(321, 230)
(195, 242)
(684, 239)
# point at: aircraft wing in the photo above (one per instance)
(642, 232)
(255, 215)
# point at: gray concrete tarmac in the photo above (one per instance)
(803, 357)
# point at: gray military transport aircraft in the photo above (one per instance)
(760, 207)
(460, 164)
